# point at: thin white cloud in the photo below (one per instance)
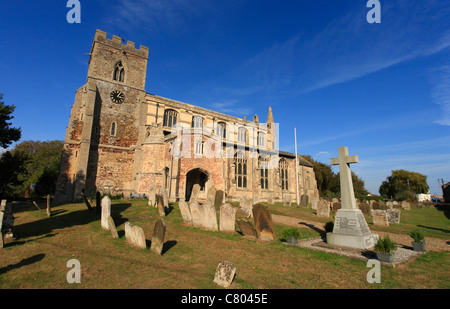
(441, 94)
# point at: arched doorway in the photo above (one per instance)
(196, 176)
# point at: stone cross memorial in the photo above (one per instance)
(350, 226)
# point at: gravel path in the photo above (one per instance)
(432, 244)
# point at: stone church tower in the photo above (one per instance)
(123, 140)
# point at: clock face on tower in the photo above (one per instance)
(117, 96)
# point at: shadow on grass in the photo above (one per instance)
(62, 218)
(31, 260)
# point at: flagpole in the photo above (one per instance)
(296, 164)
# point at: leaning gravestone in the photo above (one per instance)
(195, 193)
(246, 227)
(224, 274)
(263, 222)
(323, 208)
(138, 237)
(160, 205)
(209, 217)
(211, 195)
(106, 212)
(350, 227)
(158, 237)
(112, 227)
(227, 218)
(129, 231)
(379, 217)
(197, 218)
(185, 212)
(393, 215)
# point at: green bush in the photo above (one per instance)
(417, 235)
(291, 232)
(385, 245)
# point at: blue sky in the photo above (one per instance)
(383, 90)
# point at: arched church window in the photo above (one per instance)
(113, 129)
(221, 129)
(119, 72)
(284, 174)
(264, 170)
(240, 166)
(170, 118)
(197, 121)
(242, 135)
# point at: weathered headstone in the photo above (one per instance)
(129, 231)
(336, 206)
(209, 217)
(225, 274)
(365, 208)
(218, 200)
(314, 204)
(211, 195)
(158, 236)
(106, 212)
(379, 217)
(195, 193)
(323, 208)
(263, 222)
(7, 221)
(405, 205)
(393, 215)
(287, 200)
(335, 200)
(138, 237)
(152, 196)
(227, 218)
(350, 227)
(304, 200)
(185, 212)
(112, 227)
(197, 216)
(246, 205)
(160, 205)
(246, 227)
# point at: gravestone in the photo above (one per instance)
(405, 205)
(304, 200)
(350, 227)
(106, 212)
(209, 217)
(335, 200)
(196, 215)
(138, 238)
(129, 231)
(227, 220)
(211, 195)
(158, 236)
(112, 227)
(152, 196)
(218, 200)
(314, 204)
(323, 208)
(185, 212)
(365, 208)
(287, 200)
(163, 193)
(225, 274)
(336, 206)
(389, 204)
(246, 205)
(246, 227)
(195, 193)
(379, 217)
(393, 215)
(160, 205)
(88, 205)
(263, 222)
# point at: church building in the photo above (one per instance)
(123, 140)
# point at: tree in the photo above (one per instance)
(43, 166)
(401, 185)
(12, 165)
(7, 134)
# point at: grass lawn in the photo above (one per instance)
(38, 257)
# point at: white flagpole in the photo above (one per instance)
(296, 165)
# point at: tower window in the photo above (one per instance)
(284, 174)
(197, 121)
(119, 72)
(170, 118)
(113, 129)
